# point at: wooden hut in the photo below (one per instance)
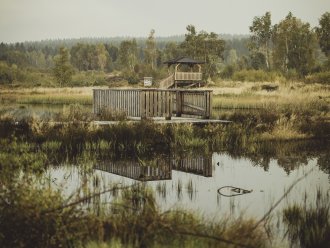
(187, 73)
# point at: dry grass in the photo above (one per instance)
(291, 95)
(81, 95)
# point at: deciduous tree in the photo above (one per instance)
(294, 45)
(63, 70)
(260, 41)
(128, 54)
(323, 33)
(204, 46)
(150, 51)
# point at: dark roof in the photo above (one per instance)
(183, 60)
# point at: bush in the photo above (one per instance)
(321, 77)
(7, 74)
(228, 71)
(254, 76)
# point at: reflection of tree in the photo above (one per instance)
(289, 155)
(324, 162)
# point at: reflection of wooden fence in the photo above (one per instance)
(198, 165)
(136, 171)
(146, 103)
(162, 169)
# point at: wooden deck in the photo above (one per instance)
(150, 103)
(174, 120)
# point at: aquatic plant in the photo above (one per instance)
(309, 226)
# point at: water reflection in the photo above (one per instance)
(159, 168)
(192, 181)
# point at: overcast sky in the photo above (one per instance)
(29, 20)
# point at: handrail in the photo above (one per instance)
(193, 76)
(167, 82)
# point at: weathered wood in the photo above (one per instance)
(188, 76)
(167, 82)
(147, 103)
(179, 101)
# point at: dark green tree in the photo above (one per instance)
(63, 70)
(128, 54)
(172, 50)
(323, 33)
(204, 46)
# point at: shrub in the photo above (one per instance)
(254, 76)
(321, 77)
(228, 71)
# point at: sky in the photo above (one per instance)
(34, 20)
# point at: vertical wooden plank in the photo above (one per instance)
(155, 103)
(143, 104)
(136, 103)
(207, 105)
(131, 105)
(94, 105)
(159, 103)
(179, 103)
(147, 103)
(168, 106)
(210, 104)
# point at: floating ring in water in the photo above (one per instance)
(234, 191)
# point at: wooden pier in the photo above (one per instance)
(148, 103)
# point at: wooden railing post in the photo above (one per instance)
(207, 99)
(168, 105)
(143, 104)
(179, 103)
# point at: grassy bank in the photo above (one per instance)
(268, 111)
(79, 95)
(284, 111)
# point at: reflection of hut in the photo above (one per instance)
(136, 171)
(187, 73)
(161, 169)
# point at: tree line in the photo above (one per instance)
(290, 47)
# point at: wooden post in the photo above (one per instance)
(207, 99)
(179, 103)
(168, 105)
(143, 104)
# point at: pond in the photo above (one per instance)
(212, 184)
(192, 182)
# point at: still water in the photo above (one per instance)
(192, 183)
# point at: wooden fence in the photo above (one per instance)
(146, 103)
